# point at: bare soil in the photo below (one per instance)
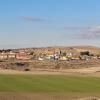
(44, 96)
(93, 71)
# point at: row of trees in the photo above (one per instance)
(7, 50)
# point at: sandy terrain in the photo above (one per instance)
(93, 71)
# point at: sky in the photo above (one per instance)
(41, 23)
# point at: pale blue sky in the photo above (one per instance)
(36, 23)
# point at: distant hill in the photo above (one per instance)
(77, 49)
(92, 49)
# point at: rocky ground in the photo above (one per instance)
(34, 64)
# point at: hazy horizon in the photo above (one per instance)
(52, 46)
(43, 23)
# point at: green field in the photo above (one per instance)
(58, 84)
(47, 87)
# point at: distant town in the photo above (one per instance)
(51, 54)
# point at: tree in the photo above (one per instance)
(85, 53)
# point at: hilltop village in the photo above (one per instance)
(51, 54)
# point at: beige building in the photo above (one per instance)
(3, 56)
(11, 55)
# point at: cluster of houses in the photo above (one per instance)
(47, 55)
(68, 56)
(6, 55)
